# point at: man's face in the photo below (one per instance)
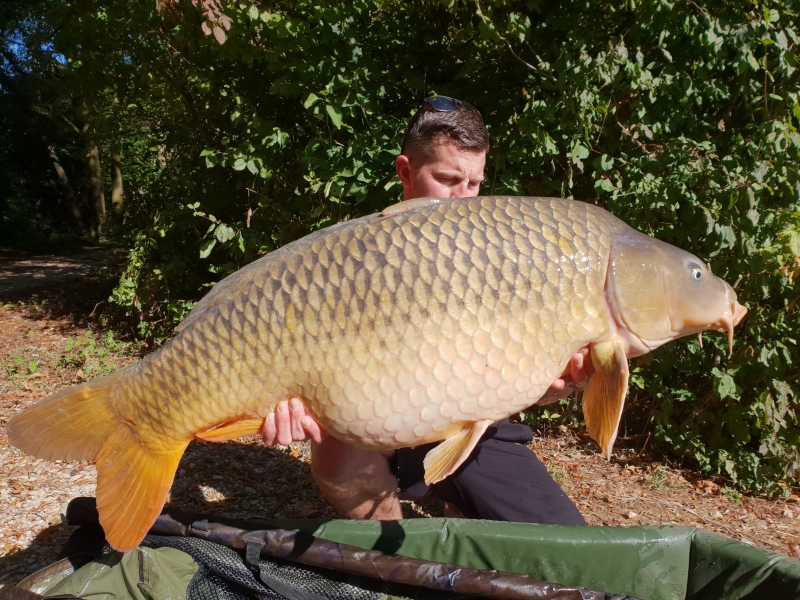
(446, 171)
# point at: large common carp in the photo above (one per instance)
(429, 321)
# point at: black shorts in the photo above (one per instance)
(502, 480)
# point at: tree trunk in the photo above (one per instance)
(116, 182)
(96, 195)
(72, 200)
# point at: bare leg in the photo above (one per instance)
(358, 483)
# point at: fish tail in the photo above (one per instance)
(133, 480)
(72, 424)
(82, 423)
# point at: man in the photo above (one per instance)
(443, 156)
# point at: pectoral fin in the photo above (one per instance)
(605, 393)
(443, 460)
(231, 430)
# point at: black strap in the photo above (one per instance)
(200, 525)
(252, 554)
(284, 589)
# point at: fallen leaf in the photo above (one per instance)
(707, 487)
(294, 453)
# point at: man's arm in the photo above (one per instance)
(290, 423)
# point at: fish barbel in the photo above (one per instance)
(427, 322)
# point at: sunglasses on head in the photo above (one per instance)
(445, 104)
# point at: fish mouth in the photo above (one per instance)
(727, 323)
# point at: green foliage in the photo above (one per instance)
(682, 119)
(560, 475)
(94, 355)
(20, 366)
(657, 479)
(732, 495)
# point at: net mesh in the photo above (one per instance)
(223, 574)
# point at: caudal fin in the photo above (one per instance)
(72, 424)
(133, 480)
(82, 423)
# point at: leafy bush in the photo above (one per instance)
(681, 119)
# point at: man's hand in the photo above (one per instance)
(578, 371)
(290, 423)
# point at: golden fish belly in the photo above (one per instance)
(396, 331)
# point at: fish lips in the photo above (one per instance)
(736, 312)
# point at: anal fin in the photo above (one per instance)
(443, 460)
(604, 396)
(231, 430)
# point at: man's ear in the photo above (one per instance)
(403, 167)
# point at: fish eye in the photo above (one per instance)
(697, 271)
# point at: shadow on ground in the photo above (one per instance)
(240, 480)
(74, 286)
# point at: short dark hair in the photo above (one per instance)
(463, 127)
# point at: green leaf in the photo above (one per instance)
(207, 247)
(726, 387)
(579, 151)
(751, 60)
(792, 237)
(32, 367)
(311, 100)
(604, 163)
(335, 113)
(240, 164)
(251, 166)
(253, 12)
(605, 185)
(223, 233)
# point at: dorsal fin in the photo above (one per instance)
(406, 205)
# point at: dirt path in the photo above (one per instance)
(23, 274)
(43, 349)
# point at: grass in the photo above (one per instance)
(95, 355)
(657, 479)
(559, 475)
(731, 495)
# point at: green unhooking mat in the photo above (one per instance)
(210, 558)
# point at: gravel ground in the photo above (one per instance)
(245, 479)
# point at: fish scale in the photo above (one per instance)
(393, 330)
(427, 322)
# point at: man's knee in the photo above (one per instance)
(357, 483)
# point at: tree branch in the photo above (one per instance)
(510, 48)
(71, 124)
